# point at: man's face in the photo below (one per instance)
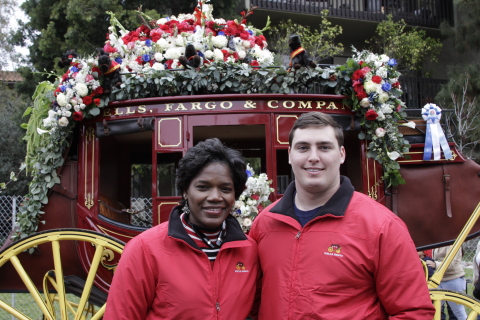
(316, 157)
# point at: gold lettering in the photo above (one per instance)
(130, 111)
(106, 112)
(226, 102)
(180, 107)
(321, 104)
(207, 105)
(250, 104)
(306, 105)
(269, 103)
(168, 106)
(117, 113)
(288, 104)
(196, 105)
(332, 105)
(142, 109)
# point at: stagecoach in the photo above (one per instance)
(117, 180)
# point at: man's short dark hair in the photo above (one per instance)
(205, 153)
(316, 120)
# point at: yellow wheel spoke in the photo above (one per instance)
(90, 278)
(57, 259)
(31, 287)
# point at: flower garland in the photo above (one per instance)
(253, 199)
(374, 93)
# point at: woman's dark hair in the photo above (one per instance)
(205, 153)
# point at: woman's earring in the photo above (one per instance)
(186, 208)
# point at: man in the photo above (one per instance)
(328, 252)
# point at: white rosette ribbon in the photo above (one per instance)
(435, 139)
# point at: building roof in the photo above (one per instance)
(10, 77)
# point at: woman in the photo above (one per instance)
(199, 264)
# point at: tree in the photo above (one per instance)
(319, 43)
(462, 95)
(411, 48)
(466, 31)
(11, 144)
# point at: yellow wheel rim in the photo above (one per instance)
(64, 309)
(439, 295)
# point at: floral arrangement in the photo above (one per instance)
(374, 93)
(253, 199)
(153, 47)
(159, 44)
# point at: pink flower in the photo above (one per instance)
(380, 132)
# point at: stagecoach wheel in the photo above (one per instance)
(56, 305)
(437, 295)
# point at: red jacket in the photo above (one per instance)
(354, 260)
(163, 275)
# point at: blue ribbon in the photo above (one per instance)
(435, 139)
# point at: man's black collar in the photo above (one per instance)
(336, 205)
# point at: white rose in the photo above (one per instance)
(365, 103)
(179, 41)
(61, 100)
(81, 89)
(158, 56)
(158, 66)
(242, 54)
(247, 222)
(218, 55)
(63, 122)
(209, 54)
(383, 97)
(380, 132)
(82, 106)
(384, 58)
(172, 53)
(66, 113)
(162, 43)
(247, 44)
(220, 41)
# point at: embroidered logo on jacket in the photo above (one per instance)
(334, 250)
(240, 267)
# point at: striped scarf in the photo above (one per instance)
(210, 252)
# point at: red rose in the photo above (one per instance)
(78, 116)
(371, 115)
(98, 91)
(396, 85)
(244, 35)
(361, 94)
(255, 196)
(358, 74)
(377, 79)
(96, 101)
(254, 63)
(168, 64)
(87, 100)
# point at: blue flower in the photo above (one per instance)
(146, 57)
(118, 60)
(148, 43)
(251, 32)
(392, 62)
(200, 54)
(371, 97)
(63, 88)
(73, 69)
(386, 87)
(220, 33)
(249, 173)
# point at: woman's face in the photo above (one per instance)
(211, 196)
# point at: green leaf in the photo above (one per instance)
(94, 111)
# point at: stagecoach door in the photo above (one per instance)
(247, 133)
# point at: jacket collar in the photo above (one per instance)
(336, 206)
(176, 229)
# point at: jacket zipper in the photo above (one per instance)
(298, 235)
(294, 273)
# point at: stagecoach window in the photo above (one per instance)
(166, 166)
(284, 171)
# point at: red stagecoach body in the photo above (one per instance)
(130, 151)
